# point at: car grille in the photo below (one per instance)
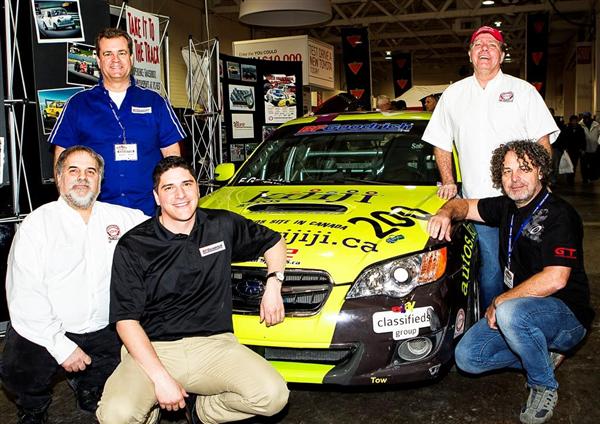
(304, 292)
(319, 356)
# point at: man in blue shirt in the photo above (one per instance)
(130, 126)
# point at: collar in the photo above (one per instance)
(165, 235)
(69, 210)
(132, 82)
(491, 83)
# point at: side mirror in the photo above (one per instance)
(224, 172)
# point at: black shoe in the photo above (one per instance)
(190, 410)
(25, 416)
(87, 400)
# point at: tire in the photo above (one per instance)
(473, 312)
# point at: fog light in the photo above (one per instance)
(415, 349)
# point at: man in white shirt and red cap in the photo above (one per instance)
(476, 115)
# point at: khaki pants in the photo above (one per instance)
(232, 382)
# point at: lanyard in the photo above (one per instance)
(118, 120)
(523, 225)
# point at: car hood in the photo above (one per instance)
(339, 229)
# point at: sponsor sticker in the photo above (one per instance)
(372, 127)
(402, 325)
(142, 110)
(459, 325)
(212, 248)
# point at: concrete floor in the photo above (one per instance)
(456, 398)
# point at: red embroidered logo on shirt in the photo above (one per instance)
(113, 232)
(506, 96)
(565, 252)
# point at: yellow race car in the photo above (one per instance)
(53, 109)
(369, 297)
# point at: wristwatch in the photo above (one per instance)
(277, 274)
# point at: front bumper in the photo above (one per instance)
(339, 345)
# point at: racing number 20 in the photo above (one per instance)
(386, 218)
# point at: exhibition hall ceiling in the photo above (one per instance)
(438, 31)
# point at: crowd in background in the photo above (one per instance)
(576, 148)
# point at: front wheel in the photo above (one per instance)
(473, 313)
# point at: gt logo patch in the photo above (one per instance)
(565, 252)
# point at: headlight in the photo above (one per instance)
(398, 277)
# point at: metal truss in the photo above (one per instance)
(16, 111)
(203, 117)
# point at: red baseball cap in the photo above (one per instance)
(487, 30)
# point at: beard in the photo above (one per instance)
(523, 195)
(78, 201)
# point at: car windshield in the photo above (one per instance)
(343, 158)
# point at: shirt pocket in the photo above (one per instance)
(507, 120)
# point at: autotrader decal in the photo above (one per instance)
(465, 256)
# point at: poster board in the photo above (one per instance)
(316, 56)
(51, 67)
(258, 96)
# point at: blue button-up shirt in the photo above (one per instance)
(145, 118)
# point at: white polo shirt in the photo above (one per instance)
(479, 120)
(58, 277)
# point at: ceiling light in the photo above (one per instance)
(497, 24)
(277, 13)
(388, 58)
(487, 2)
(388, 52)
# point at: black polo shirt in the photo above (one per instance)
(179, 285)
(553, 237)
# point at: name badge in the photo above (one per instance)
(212, 248)
(126, 152)
(137, 109)
(509, 278)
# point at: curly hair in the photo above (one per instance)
(533, 155)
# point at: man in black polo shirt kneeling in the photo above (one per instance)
(545, 308)
(171, 301)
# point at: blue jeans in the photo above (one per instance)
(528, 328)
(490, 275)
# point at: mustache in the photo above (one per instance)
(81, 181)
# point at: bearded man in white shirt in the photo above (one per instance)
(58, 285)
